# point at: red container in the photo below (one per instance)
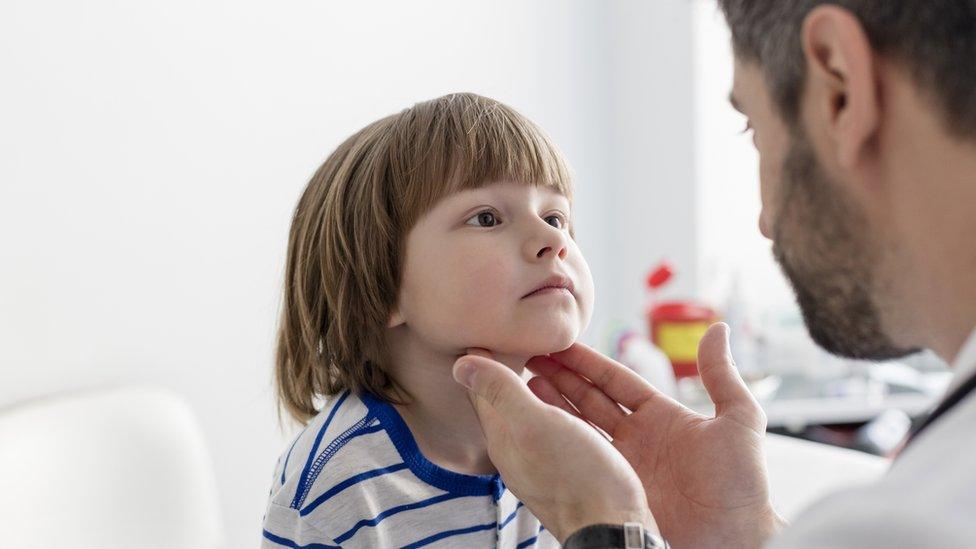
(676, 327)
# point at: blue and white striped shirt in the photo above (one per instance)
(356, 478)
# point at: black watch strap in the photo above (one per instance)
(614, 536)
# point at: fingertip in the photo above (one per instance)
(716, 337)
(720, 328)
(538, 384)
(464, 371)
(542, 388)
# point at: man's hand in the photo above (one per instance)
(705, 478)
(562, 469)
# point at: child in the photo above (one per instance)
(438, 229)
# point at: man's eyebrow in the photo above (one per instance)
(734, 103)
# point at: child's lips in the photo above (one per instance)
(550, 290)
(555, 284)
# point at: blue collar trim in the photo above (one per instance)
(423, 468)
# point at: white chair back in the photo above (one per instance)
(113, 468)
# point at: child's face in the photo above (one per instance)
(474, 264)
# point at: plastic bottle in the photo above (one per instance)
(743, 339)
(640, 355)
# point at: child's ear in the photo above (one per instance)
(396, 318)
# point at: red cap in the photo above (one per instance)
(660, 275)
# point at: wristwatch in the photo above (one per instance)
(630, 535)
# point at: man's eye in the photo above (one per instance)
(555, 220)
(483, 219)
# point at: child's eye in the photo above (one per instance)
(555, 220)
(483, 219)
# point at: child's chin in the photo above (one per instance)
(543, 342)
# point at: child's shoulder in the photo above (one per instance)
(338, 471)
(355, 476)
(338, 436)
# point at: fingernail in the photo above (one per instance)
(464, 372)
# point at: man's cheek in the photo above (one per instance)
(768, 176)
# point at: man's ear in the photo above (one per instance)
(841, 82)
(396, 318)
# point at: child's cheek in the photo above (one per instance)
(585, 289)
(487, 281)
(492, 276)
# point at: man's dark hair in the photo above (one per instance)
(934, 39)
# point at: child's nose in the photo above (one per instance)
(552, 242)
(561, 254)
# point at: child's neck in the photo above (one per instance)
(439, 413)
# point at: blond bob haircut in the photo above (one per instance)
(346, 243)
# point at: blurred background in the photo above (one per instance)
(151, 154)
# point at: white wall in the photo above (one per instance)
(727, 174)
(152, 153)
(729, 245)
(651, 210)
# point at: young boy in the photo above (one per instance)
(438, 229)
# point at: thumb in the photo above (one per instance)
(722, 381)
(496, 389)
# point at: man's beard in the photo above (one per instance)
(822, 243)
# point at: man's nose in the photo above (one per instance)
(764, 227)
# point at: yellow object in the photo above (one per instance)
(679, 340)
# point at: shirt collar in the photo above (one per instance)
(965, 363)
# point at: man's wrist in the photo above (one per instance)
(629, 535)
(619, 514)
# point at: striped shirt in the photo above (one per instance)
(356, 478)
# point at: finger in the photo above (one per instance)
(494, 427)
(547, 392)
(721, 379)
(617, 381)
(543, 366)
(496, 387)
(593, 404)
